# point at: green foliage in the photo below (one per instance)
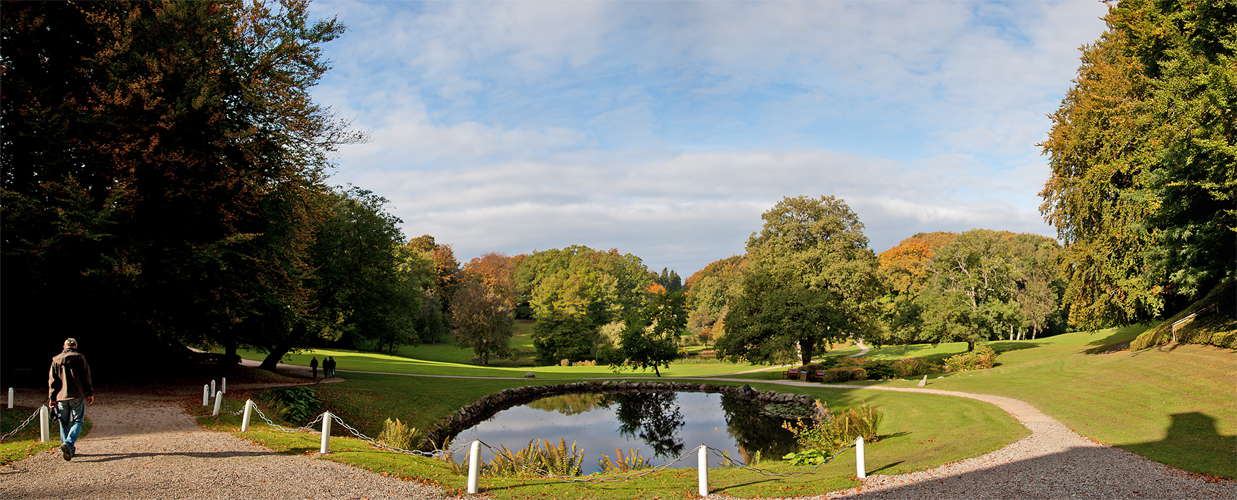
(651, 339)
(398, 435)
(563, 336)
(296, 405)
(1142, 153)
(1214, 322)
(557, 460)
(982, 358)
(824, 434)
(811, 281)
(843, 374)
(362, 275)
(623, 463)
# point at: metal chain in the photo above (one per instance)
(593, 480)
(380, 444)
(766, 472)
(22, 426)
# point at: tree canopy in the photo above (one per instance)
(162, 169)
(810, 281)
(1142, 151)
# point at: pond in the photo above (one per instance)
(661, 425)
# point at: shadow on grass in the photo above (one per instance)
(1115, 341)
(1186, 436)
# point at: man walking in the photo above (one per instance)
(313, 365)
(70, 390)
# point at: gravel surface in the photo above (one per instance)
(145, 446)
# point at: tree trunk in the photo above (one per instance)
(970, 345)
(272, 358)
(806, 349)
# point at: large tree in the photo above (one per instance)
(811, 281)
(161, 170)
(363, 283)
(483, 309)
(650, 339)
(1142, 151)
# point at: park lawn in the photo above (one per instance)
(919, 431)
(1172, 404)
(349, 361)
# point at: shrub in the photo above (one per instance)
(982, 357)
(564, 362)
(843, 374)
(825, 434)
(880, 370)
(537, 457)
(397, 435)
(296, 405)
(632, 461)
(912, 367)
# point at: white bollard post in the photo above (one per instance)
(205, 395)
(44, 416)
(859, 459)
(326, 433)
(224, 389)
(704, 470)
(474, 463)
(212, 386)
(245, 419)
(10, 398)
(218, 401)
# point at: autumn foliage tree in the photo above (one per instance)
(483, 308)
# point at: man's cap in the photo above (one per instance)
(70, 342)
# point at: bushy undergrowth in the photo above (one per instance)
(629, 462)
(981, 358)
(296, 405)
(398, 435)
(1215, 323)
(823, 435)
(843, 374)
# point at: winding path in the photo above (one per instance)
(145, 446)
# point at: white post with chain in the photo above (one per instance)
(859, 459)
(474, 464)
(326, 433)
(703, 465)
(225, 385)
(205, 395)
(245, 419)
(10, 398)
(212, 386)
(44, 417)
(218, 401)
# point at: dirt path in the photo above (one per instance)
(145, 446)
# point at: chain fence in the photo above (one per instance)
(725, 460)
(22, 426)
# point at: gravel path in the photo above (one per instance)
(1053, 462)
(145, 446)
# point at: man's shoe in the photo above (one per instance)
(66, 452)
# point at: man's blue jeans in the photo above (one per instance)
(72, 414)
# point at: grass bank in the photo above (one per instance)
(1172, 404)
(919, 431)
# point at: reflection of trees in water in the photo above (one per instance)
(654, 417)
(571, 404)
(753, 431)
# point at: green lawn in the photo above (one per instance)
(1174, 405)
(919, 431)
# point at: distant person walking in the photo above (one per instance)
(328, 367)
(69, 391)
(313, 365)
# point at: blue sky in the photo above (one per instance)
(665, 129)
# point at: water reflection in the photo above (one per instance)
(654, 417)
(660, 424)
